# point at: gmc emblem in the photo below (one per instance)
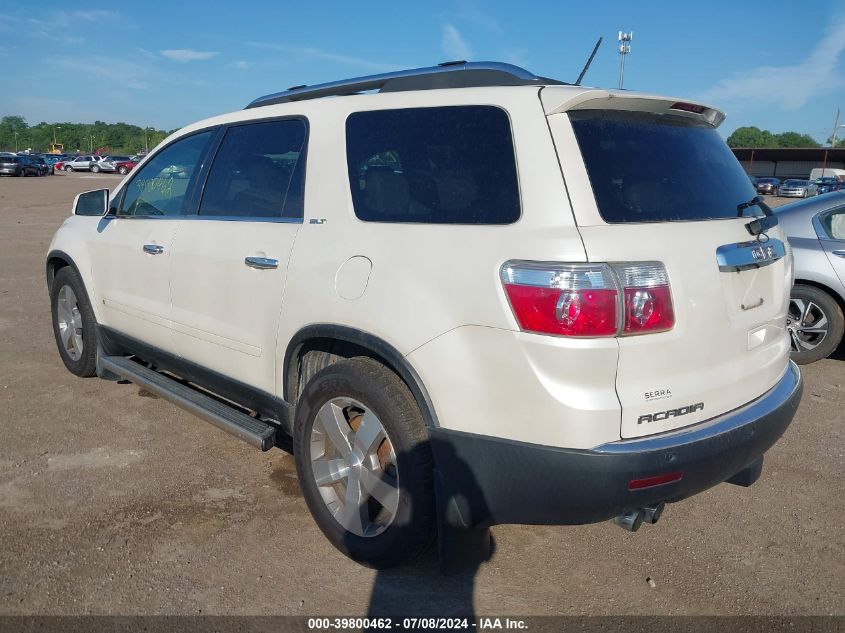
(761, 253)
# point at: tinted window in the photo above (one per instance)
(160, 188)
(258, 172)
(656, 168)
(451, 165)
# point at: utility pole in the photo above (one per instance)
(835, 129)
(16, 141)
(624, 49)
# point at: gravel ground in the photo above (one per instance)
(114, 502)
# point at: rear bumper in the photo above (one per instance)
(485, 480)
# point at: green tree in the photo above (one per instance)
(794, 139)
(751, 136)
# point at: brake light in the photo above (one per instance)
(589, 300)
(688, 107)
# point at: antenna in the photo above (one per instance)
(589, 61)
(624, 49)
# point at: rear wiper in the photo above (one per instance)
(760, 225)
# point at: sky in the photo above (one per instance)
(779, 65)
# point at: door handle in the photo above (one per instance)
(153, 249)
(262, 263)
(839, 253)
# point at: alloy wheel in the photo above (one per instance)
(354, 466)
(70, 322)
(807, 325)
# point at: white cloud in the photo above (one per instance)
(454, 45)
(319, 53)
(789, 87)
(241, 65)
(187, 54)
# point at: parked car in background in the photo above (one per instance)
(110, 164)
(753, 180)
(81, 163)
(124, 167)
(18, 166)
(52, 160)
(41, 164)
(816, 232)
(768, 185)
(793, 188)
(827, 184)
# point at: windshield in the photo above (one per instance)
(646, 167)
(796, 183)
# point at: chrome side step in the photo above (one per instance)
(249, 429)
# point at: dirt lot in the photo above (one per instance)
(113, 502)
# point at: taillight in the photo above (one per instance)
(589, 300)
(648, 300)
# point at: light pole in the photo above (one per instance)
(624, 49)
(54, 133)
(16, 141)
(91, 144)
(146, 144)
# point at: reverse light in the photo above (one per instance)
(589, 300)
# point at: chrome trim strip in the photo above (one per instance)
(220, 218)
(375, 82)
(748, 255)
(747, 414)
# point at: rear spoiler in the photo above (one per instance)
(557, 100)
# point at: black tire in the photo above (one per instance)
(123, 171)
(68, 168)
(23, 173)
(831, 311)
(86, 364)
(382, 392)
(95, 169)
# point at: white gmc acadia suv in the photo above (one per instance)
(474, 296)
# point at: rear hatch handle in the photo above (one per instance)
(758, 226)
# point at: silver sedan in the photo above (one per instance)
(816, 232)
(797, 189)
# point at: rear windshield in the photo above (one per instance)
(9, 159)
(647, 167)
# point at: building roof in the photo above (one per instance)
(811, 154)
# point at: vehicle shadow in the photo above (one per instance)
(441, 583)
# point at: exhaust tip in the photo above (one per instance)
(630, 520)
(652, 513)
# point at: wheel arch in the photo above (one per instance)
(838, 298)
(317, 346)
(56, 260)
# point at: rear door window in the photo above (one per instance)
(647, 167)
(258, 172)
(444, 165)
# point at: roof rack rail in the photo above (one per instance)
(458, 74)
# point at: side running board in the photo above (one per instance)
(249, 429)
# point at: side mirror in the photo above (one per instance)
(92, 203)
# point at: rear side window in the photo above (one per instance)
(657, 168)
(258, 172)
(447, 165)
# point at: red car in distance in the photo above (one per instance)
(125, 166)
